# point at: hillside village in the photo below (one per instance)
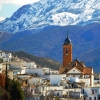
(73, 80)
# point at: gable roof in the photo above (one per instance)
(76, 64)
(87, 70)
(73, 69)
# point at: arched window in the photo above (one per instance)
(66, 51)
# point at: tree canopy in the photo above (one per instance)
(16, 91)
(10, 89)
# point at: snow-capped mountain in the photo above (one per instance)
(52, 12)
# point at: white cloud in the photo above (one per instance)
(2, 18)
(18, 2)
(0, 6)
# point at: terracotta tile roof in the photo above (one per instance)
(87, 70)
(77, 64)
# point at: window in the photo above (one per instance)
(81, 76)
(94, 98)
(95, 90)
(90, 98)
(66, 51)
(26, 82)
(75, 64)
(73, 75)
(83, 91)
(57, 94)
(99, 98)
(64, 77)
(92, 91)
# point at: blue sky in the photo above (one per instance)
(8, 7)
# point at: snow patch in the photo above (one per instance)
(64, 18)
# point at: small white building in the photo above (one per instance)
(36, 81)
(22, 64)
(37, 71)
(91, 93)
(56, 78)
(73, 93)
(46, 90)
(5, 56)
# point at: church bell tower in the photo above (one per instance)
(67, 52)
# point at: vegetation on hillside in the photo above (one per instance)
(43, 62)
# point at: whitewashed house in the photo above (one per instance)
(46, 90)
(5, 56)
(22, 64)
(22, 67)
(56, 78)
(36, 81)
(91, 93)
(73, 93)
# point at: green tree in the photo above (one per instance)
(57, 98)
(16, 91)
(4, 95)
(13, 88)
(1, 60)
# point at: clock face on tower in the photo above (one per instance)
(67, 51)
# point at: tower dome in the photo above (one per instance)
(67, 40)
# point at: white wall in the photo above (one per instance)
(92, 78)
(2, 54)
(88, 92)
(34, 80)
(16, 64)
(22, 64)
(38, 71)
(56, 78)
(22, 71)
(46, 89)
(5, 55)
(54, 87)
(46, 70)
(46, 76)
(6, 59)
(29, 64)
(72, 89)
(74, 79)
(74, 70)
(86, 80)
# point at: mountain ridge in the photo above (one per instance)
(48, 42)
(52, 12)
